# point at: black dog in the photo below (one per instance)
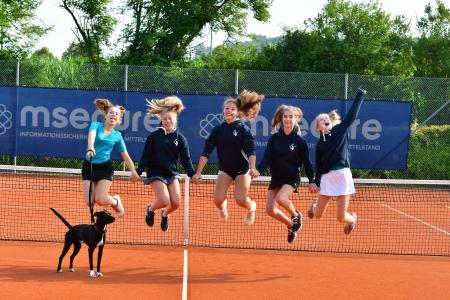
(92, 235)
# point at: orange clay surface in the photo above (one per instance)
(27, 271)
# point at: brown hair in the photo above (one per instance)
(159, 106)
(248, 104)
(104, 105)
(334, 117)
(278, 115)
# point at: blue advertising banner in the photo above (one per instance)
(55, 123)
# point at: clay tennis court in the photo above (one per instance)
(226, 261)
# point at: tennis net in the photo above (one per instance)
(394, 216)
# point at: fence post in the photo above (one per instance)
(125, 89)
(125, 85)
(346, 86)
(236, 82)
(17, 107)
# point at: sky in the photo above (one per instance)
(290, 13)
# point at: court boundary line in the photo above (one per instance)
(185, 275)
(416, 219)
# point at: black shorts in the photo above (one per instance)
(234, 174)
(276, 183)
(99, 171)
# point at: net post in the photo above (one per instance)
(186, 210)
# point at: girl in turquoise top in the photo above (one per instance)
(102, 138)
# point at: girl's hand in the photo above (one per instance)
(254, 173)
(196, 178)
(91, 152)
(134, 176)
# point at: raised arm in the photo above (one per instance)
(350, 117)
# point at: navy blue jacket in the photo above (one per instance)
(332, 149)
(234, 143)
(285, 155)
(162, 152)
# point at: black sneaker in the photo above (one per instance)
(164, 221)
(292, 235)
(149, 217)
(296, 222)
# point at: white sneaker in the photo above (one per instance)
(120, 210)
(312, 209)
(349, 227)
(250, 217)
(223, 213)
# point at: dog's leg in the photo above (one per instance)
(99, 256)
(63, 253)
(91, 264)
(76, 249)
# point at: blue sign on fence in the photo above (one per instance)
(55, 123)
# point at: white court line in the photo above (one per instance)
(418, 220)
(185, 275)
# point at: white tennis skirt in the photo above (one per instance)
(337, 183)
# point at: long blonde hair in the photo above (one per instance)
(248, 104)
(104, 105)
(333, 115)
(277, 119)
(159, 106)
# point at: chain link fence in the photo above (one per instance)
(429, 95)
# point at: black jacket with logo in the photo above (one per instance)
(162, 152)
(234, 143)
(285, 155)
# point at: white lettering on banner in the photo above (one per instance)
(138, 139)
(53, 135)
(259, 120)
(365, 147)
(371, 129)
(79, 118)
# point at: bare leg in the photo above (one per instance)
(272, 209)
(101, 193)
(242, 184)
(220, 193)
(174, 197)
(341, 210)
(162, 195)
(282, 199)
(322, 204)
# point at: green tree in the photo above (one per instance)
(74, 50)
(230, 56)
(19, 28)
(161, 31)
(93, 25)
(44, 53)
(347, 37)
(432, 49)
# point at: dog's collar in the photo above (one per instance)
(102, 230)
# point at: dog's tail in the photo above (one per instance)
(61, 218)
